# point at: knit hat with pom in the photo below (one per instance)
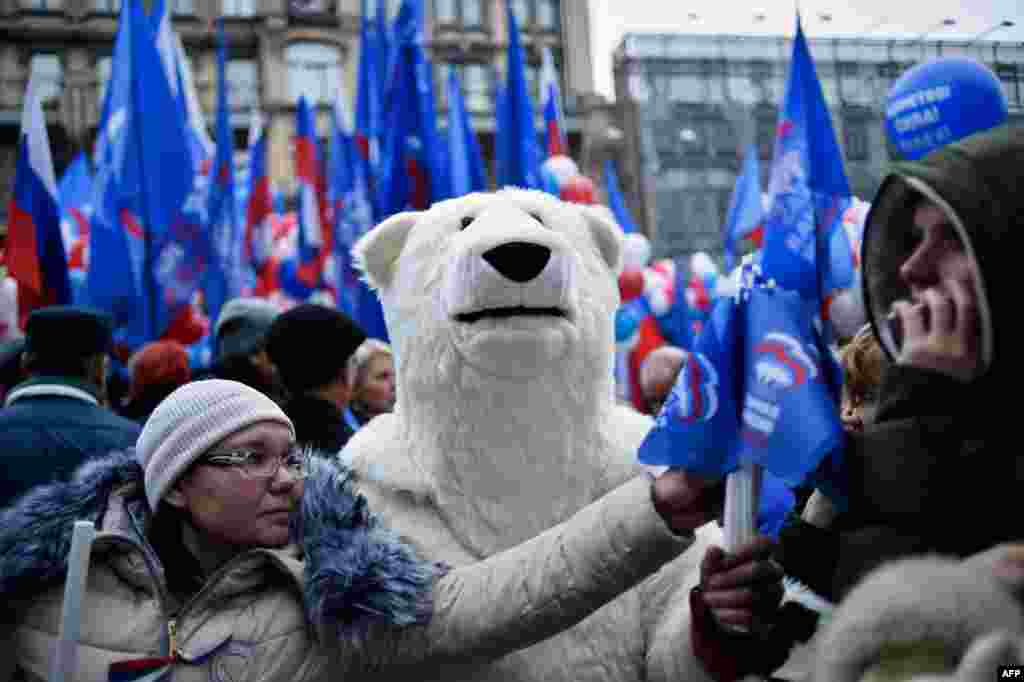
(190, 421)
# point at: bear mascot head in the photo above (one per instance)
(501, 311)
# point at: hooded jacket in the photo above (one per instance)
(939, 457)
(346, 597)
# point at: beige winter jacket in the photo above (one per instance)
(365, 591)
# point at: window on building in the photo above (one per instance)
(740, 86)
(106, 6)
(477, 87)
(243, 84)
(238, 8)
(47, 74)
(183, 7)
(43, 5)
(723, 138)
(537, 14)
(314, 71)
(686, 88)
(855, 133)
(764, 80)
(765, 131)
(1008, 77)
(102, 78)
(464, 13)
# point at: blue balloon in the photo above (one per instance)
(941, 101)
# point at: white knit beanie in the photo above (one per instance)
(190, 421)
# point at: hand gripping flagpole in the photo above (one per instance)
(65, 655)
(743, 486)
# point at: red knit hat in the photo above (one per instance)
(159, 363)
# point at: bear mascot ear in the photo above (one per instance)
(607, 235)
(377, 251)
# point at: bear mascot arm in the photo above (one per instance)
(928, 619)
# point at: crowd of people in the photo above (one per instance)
(220, 495)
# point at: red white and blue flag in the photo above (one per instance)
(259, 208)
(75, 195)
(315, 237)
(555, 142)
(35, 248)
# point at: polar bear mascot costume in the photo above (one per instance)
(500, 309)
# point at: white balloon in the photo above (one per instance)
(847, 313)
(636, 251)
(701, 264)
(562, 168)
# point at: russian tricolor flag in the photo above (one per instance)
(35, 247)
(259, 208)
(551, 96)
(315, 237)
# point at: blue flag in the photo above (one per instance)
(465, 162)
(615, 199)
(758, 388)
(676, 325)
(808, 191)
(521, 151)
(744, 207)
(412, 172)
(75, 199)
(223, 279)
(144, 176)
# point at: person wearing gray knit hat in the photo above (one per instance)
(239, 345)
(191, 420)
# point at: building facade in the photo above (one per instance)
(278, 49)
(690, 105)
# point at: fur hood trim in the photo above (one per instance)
(356, 572)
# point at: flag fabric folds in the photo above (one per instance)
(315, 234)
(745, 213)
(144, 250)
(35, 255)
(75, 198)
(615, 199)
(412, 173)
(806, 249)
(465, 162)
(759, 388)
(518, 136)
(222, 280)
(555, 142)
(259, 209)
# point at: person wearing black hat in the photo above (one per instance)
(239, 346)
(310, 345)
(54, 420)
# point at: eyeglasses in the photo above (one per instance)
(257, 464)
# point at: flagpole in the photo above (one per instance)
(65, 654)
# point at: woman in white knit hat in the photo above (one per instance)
(222, 553)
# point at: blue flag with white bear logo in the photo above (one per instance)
(759, 387)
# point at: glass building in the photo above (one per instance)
(692, 104)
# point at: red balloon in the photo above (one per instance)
(187, 327)
(579, 190)
(631, 284)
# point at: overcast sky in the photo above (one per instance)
(611, 19)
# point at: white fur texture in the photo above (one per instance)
(509, 425)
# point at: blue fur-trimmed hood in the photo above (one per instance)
(356, 572)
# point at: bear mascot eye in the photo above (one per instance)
(467, 221)
(536, 216)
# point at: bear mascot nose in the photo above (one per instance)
(518, 261)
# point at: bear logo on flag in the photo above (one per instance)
(695, 397)
(782, 364)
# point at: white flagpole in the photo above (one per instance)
(65, 655)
